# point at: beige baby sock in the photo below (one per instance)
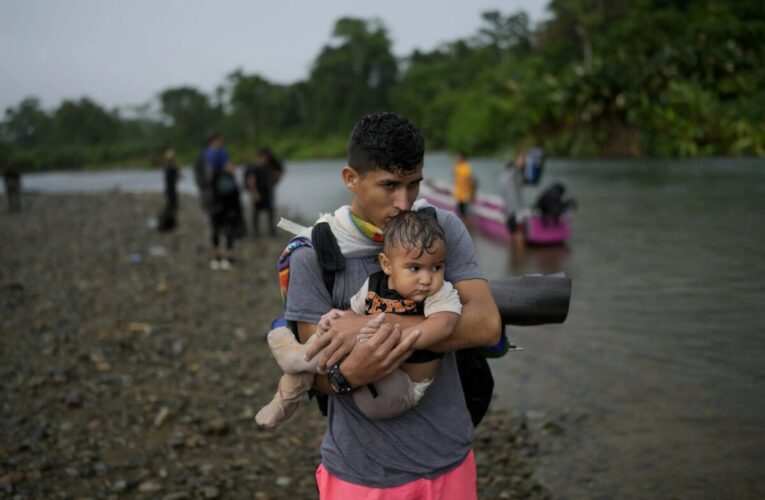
(289, 353)
(290, 393)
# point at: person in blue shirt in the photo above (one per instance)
(215, 155)
(225, 207)
(225, 216)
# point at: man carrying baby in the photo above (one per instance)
(425, 452)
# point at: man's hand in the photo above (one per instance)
(337, 334)
(381, 349)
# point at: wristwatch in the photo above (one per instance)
(337, 380)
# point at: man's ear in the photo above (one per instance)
(384, 263)
(351, 178)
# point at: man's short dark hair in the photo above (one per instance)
(412, 230)
(386, 141)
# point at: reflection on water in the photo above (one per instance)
(659, 367)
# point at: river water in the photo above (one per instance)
(654, 387)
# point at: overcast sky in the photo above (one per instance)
(123, 52)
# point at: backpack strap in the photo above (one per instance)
(331, 259)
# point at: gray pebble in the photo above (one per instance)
(210, 492)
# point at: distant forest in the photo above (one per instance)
(667, 78)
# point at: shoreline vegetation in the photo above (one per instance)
(129, 369)
(597, 79)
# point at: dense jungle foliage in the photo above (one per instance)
(642, 78)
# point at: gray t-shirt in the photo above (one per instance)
(511, 181)
(430, 439)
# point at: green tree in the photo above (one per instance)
(189, 114)
(351, 77)
(27, 125)
(507, 35)
(84, 122)
(460, 94)
(261, 110)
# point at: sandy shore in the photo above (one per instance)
(128, 369)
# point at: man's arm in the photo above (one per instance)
(434, 329)
(340, 330)
(384, 351)
(305, 330)
(442, 310)
(479, 325)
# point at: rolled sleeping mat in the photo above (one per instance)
(533, 299)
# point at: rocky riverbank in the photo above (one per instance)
(129, 369)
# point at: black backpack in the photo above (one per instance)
(551, 203)
(474, 372)
(225, 184)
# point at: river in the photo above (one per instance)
(654, 387)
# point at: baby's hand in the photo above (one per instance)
(370, 328)
(336, 336)
(326, 320)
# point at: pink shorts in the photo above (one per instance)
(457, 484)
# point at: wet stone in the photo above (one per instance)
(177, 441)
(149, 487)
(195, 481)
(119, 486)
(164, 412)
(74, 399)
(217, 427)
(210, 492)
(178, 348)
(180, 495)
(551, 427)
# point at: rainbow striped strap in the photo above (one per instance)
(283, 265)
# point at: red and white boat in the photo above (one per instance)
(486, 213)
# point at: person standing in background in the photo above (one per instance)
(202, 177)
(225, 216)
(464, 187)
(172, 176)
(210, 160)
(167, 217)
(216, 156)
(12, 179)
(225, 209)
(511, 182)
(261, 179)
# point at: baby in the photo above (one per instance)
(411, 281)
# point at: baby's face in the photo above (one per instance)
(414, 276)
